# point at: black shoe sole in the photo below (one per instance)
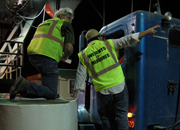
(15, 87)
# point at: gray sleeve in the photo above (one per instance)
(129, 40)
(81, 75)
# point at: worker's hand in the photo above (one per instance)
(64, 57)
(73, 96)
(148, 32)
(152, 30)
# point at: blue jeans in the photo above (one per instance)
(113, 110)
(49, 76)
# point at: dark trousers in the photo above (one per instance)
(113, 110)
(49, 76)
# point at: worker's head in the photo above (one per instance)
(65, 13)
(93, 34)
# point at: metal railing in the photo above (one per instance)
(11, 61)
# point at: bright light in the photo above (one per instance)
(168, 16)
(130, 115)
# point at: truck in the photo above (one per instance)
(151, 69)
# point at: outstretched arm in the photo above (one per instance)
(148, 32)
(133, 39)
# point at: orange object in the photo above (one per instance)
(49, 10)
(121, 60)
(33, 78)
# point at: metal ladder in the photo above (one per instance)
(11, 53)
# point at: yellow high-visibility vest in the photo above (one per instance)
(101, 61)
(48, 40)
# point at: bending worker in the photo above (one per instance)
(99, 59)
(45, 50)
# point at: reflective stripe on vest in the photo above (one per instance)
(50, 36)
(94, 74)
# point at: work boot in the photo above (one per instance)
(20, 87)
